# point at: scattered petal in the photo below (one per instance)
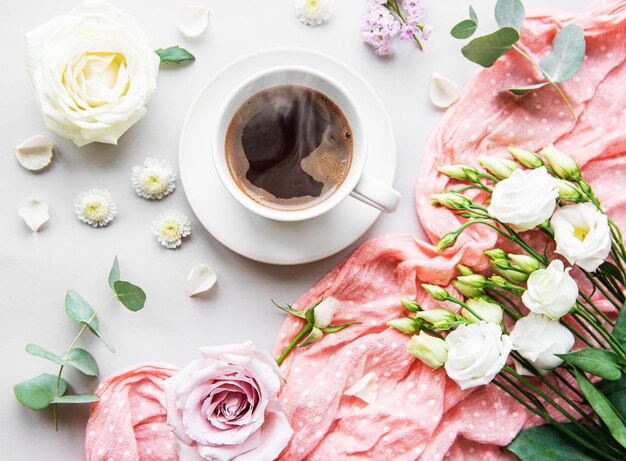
(34, 211)
(201, 278)
(95, 207)
(314, 12)
(365, 388)
(154, 179)
(443, 92)
(35, 153)
(170, 228)
(192, 20)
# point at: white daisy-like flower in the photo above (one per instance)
(154, 179)
(314, 12)
(95, 207)
(170, 227)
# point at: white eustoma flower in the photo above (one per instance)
(154, 179)
(488, 311)
(314, 12)
(324, 312)
(93, 71)
(170, 228)
(551, 291)
(525, 199)
(476, 353)
(582, 235)
(429, 349)
(538, 338)
(95, 207)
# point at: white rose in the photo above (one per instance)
(538, 339)
(582, 235)
(324, 312)
(476, 353)
(488, 311)
(93, 71)
(551, 291)
(525, 199)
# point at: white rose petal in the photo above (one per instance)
(93, 71)
(35, 153)
(476, 353)
(201, 278)
(365, 388)
(551, 291)
(443, 91)
(192, 20)
(35, 213)
(538, 338)
(582, 235)
(525, 199)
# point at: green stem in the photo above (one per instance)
(299, 337)
(615, 345)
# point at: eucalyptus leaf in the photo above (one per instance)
(98, 334)
(83, 361)
(39, 392)
(472, 14)
(336, 328)
(77, 398)
(510, 13)
(522, 90)
(603, 408)
(79, 310)
(131, 296)
(487, 49)
(567, 54)
(619, 331)
(546, 443)
(598, 362)
(114, 275)
(174, 54)
(464, 29)
(34, 349)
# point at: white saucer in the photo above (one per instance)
(256, 237)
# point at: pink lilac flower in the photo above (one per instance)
(379, 27)
(414, 10)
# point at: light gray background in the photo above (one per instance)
(37, 269)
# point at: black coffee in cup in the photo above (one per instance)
(288, 147)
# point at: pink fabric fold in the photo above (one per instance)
(419, 413)
(129, 420)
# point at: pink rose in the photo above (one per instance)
(224, 406)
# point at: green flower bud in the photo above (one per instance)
(405, 325)
(563, 165)
(461, 172)
(452, 200)
(496, 254)
(485, 308)
(441, 319)
(498, 281)
(526, 157)
(499, 167)
(446, 241)
(525, 263)
(464, 270)
(436, 292)
(507, 271)
(411, 305)
(470, 285)
(429, 349)
(570, 191)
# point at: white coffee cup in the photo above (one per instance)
(362, 187)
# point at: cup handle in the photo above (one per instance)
(373, 192)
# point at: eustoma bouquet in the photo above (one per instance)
(516, 327)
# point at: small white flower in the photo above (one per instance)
(582, 235)
(170, 228)
(551, 291)
(314, 12)
(484, 308)
(154, 179)
(324, 312)
(95, 207)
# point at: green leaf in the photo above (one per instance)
(114, 275)
(79, 310)
(78, 398)
(599, 362)
(83, 361)
(547, 443)
(99, 335)
(510, 13)
(612, 270)
(487, 49)
(618, 399)
(39, 392)
(290, 310)
(472, 14)
(309, 315)
(131, 296)
(609, 387)
(336, 328)
(619, 331)
(464, 29)
(522, 90)
(603, 408)
(39, 351)
(314, 336)
(174, 54)
(567, 54)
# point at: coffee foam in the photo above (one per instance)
(327, 164)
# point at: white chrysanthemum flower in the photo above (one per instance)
(95, 207)
(314, 12)
(170, 228)
(154, 179)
